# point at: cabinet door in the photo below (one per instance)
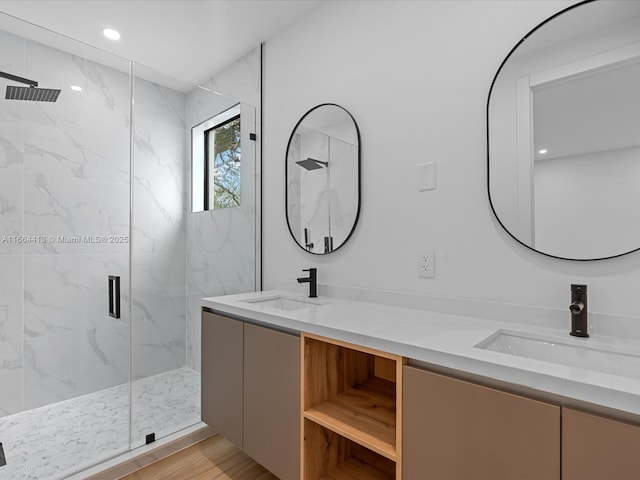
(272, 400)
(222, 356)
(596, 448)
(459, 431)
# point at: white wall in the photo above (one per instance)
(415, 76)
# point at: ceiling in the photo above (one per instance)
(184, 41)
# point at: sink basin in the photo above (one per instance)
(599, 358)
(282, 303)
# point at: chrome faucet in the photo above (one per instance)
(311, 280)
(578, 309)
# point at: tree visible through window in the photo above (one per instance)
(222, 147)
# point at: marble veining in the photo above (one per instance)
(159, 230)
(57, 440)
(221, 243)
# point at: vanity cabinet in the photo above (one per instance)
(594, 447)
(251, 390)
(459, 430)
(309, 407)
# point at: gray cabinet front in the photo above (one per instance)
(595, 447)
(272, 400)
(222, 386)
(457, 430)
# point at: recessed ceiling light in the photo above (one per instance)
(76, 88)
(542, 151)
(111, 34)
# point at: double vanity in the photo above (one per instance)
(330, 388)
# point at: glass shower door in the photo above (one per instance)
(64, 228)
(165, 392)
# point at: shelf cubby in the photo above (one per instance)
(350, 398)
(329, 456)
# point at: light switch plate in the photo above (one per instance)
(426, 176)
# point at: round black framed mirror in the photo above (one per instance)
(563, 133)
(322, 179)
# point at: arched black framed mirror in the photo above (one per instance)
(322, 178)
(563, 133)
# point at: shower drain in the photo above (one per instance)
(27, 469)
(3, 463)
(21, 471)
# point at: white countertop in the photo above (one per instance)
(443, 340)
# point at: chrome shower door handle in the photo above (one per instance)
(114, 296)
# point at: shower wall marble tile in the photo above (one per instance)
(159, 307)
(11, 213)
(159, 230)
(11, 150)
(76, 158)
(76, 197)
(75, 216)
(10, 377)
(65, 181)
(11, 180)
(221, 243)
(11, 298)
(71, 345)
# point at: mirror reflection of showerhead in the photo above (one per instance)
(30, 93)
(312, 164)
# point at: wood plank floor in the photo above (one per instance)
(212, 459)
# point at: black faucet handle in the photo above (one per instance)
(311, 280)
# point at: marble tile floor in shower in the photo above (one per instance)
(54, 441)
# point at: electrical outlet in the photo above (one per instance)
(426, 264)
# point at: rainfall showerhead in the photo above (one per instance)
(30, 93)
(312, 164)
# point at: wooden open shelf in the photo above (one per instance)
(350, 403)
(353, 469)
(365, 414)
(333, 457)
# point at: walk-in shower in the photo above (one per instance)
(94, 193)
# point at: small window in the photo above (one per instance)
(216, 162)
